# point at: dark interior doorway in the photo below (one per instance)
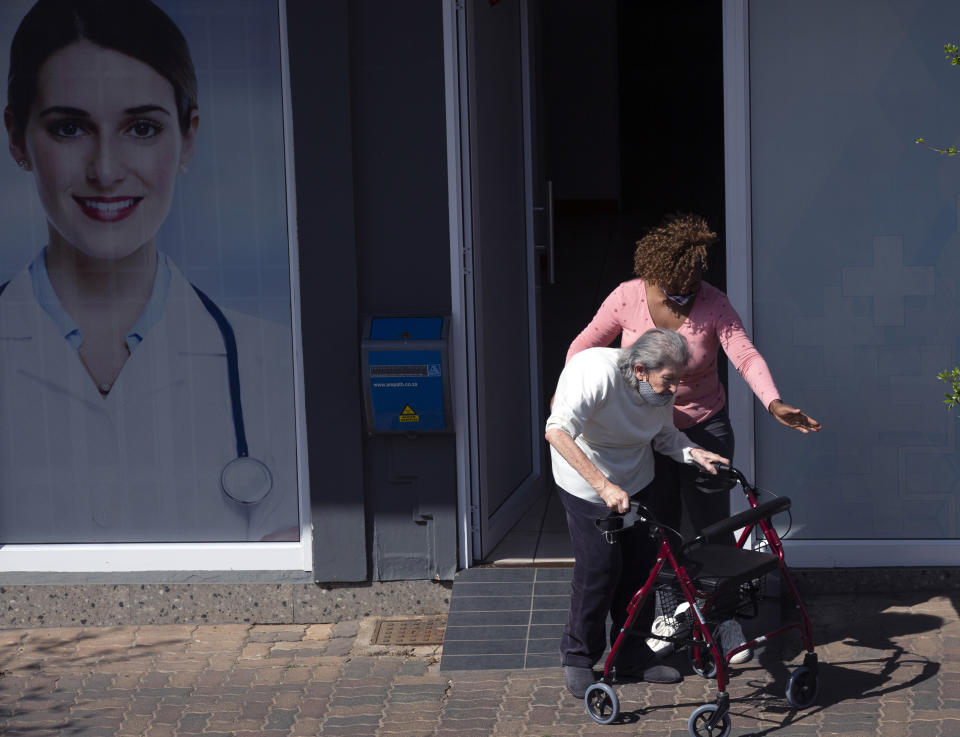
(632, 126)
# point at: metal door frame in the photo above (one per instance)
(459, 355)
(463, 329)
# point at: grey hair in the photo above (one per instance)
(653, 350)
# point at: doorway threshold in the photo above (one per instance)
(539, 539)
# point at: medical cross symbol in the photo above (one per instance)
(840, 334)
(888, 281)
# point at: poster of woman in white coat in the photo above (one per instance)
(146, 372)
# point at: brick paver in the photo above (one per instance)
(890, 666)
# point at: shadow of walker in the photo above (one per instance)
(860, 660)
(871, 665)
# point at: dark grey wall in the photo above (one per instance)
(399, 156)
(320, 89)
(369, 137)
(402, 237)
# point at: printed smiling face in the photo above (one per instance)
(105, 146)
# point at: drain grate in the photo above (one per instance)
(420, 631)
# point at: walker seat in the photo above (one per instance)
(717, 568)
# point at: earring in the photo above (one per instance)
(24, 164)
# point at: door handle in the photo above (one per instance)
(549, 246)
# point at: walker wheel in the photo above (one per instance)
(702, 660)
(602, 703)
(698, 726)
(802, 687)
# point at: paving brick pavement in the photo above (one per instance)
(890, 667)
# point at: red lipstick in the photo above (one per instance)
(107, 209)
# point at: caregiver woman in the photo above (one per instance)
(611, 411)
(117, 419)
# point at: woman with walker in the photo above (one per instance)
(611, 411)
(669, 292)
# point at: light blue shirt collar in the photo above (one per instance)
(48, 300)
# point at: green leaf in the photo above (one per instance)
(952, 377)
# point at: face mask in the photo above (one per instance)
(651, 397)
(679, 299)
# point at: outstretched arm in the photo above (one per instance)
(751, 366)
(793, 417)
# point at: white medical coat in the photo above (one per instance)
(143, 463)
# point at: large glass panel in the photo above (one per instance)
(145, 327)
(856, 260)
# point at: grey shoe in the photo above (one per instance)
(661, 673)
(656, 673)
(578, 680)
(730, 634)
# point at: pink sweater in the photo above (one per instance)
(712, 322)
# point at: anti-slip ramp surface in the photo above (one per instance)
(506, 618)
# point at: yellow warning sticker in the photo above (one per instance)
(409, 415)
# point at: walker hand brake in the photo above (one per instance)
(611, 526)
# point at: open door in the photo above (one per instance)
(507, 453)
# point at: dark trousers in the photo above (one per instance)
(605, 578)
(702, 499)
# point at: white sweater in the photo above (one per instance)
(612, 424)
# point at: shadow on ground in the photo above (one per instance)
(35, 694)
(869, 646)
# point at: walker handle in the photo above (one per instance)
(741, 519)
(637, 513)
(616, 522)
(725, 470)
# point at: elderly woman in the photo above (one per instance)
(612, 410)
(671, 293)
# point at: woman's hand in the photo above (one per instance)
(705, 459)
(793, 417)
(614, 497)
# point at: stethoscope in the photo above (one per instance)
(244, 480)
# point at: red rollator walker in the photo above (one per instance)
(710, 582)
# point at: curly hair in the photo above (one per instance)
(671, 251)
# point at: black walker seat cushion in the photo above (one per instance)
(717, 567)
